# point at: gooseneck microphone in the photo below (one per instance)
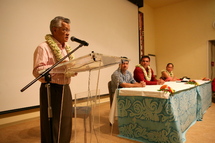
(79, 41)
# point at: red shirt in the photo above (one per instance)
(139, 76)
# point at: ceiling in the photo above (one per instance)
(160, 3)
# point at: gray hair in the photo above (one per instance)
(57, 21)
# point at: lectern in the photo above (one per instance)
(87, 63)
(92, 61)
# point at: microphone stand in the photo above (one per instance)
(48, 79)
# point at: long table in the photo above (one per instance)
(150, 116)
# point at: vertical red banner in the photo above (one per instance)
(141, 33)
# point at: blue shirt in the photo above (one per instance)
(118, 78)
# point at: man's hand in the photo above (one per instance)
(71, 74)
(143, 83)
(160, 82)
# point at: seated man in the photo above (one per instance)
(123, 78)
(143, 72)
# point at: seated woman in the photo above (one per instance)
(167, 75)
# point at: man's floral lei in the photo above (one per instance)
(166, 88)
(147, 76)
(192, 82)
(56, 50)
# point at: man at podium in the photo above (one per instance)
(46, 55)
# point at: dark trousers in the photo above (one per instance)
(61, 116)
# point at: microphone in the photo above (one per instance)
(79, 41)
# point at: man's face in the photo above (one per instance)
(145, 62)
(124, 66)
(61, 34)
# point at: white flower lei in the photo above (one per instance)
(170, 73)
(147, 76)
(56, 50)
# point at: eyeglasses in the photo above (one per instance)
(65, 30)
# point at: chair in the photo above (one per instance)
(86, 111)
(213, 85)
(83, 112)
(110, 93)
(213, 90)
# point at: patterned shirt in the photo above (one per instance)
(118, 78)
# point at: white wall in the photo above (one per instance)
(110, 27)
(179, 33)
(182, 34)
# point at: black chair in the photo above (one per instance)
(110, 93)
